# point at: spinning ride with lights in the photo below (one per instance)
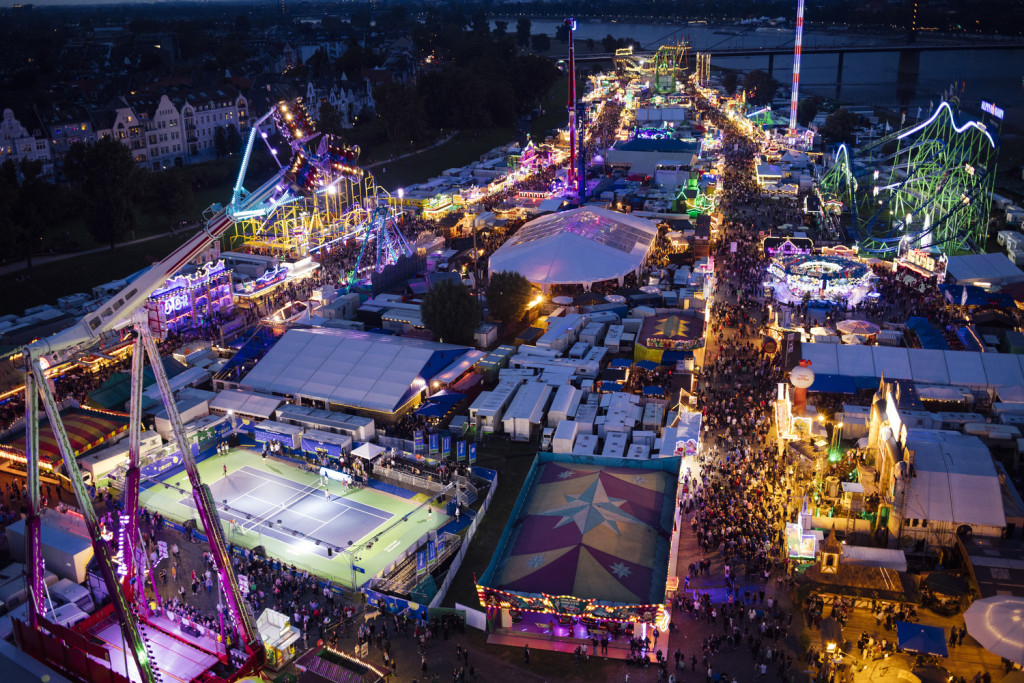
(324, 198)
(828, 278)
(307, 182)
(927, 185)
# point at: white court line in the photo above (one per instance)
(328, 521)
(391, 546)
(277, 508)
(292, 485)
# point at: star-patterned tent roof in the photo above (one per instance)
(593, 532)
(681, 325)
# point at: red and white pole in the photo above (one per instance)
(797, 46)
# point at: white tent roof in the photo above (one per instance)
(927, 366)
(246, 403)
(956, 481)
(368, 451)
(994, 268)
(583, 245)
(359, 369)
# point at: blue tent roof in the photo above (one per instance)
(611, 386)
(833, 384)
(647, 365)
(930, 337)
(654, 391)
(926, 640)
(439, 404)
(620, 363)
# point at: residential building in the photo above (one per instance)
(165, 131)
(130, 131)
(24, 137)
(204, 110)
(66, 126)
(348, 98)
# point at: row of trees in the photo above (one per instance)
(452, 313)
(106, 191)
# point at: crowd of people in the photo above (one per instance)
(733, 505)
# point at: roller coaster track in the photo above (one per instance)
(939, 176)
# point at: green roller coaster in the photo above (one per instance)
(929, 185)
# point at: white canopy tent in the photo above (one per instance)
(368, 451)
(581, 246)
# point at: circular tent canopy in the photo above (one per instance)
(581, 246)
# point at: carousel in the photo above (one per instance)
(796, 279)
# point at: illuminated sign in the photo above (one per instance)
(175, 303)
(990, 108)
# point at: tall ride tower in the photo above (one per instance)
(797, 46)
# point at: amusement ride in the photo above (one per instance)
(341, 202)
(928, 185)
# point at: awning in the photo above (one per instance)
(647, 365)
(833, 384)
(611, 386)
(440, 404)
(653, 391)
(925, 640)
(620, 363)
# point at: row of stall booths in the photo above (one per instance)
(303, 431)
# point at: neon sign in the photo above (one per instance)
(175, 303)
(990, 108)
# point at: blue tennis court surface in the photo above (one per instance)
(288, 511)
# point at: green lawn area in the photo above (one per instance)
(50, 281)
(467, 146)
(512, 461)
(394, 536)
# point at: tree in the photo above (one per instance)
(508, 293)
(450, 312)
(107, 175)
(541, 42)
(220, 142)
(34, 209)
(523, 32)
(840, 126)
(729, 81)
(174, 196)
(401, 112)
(760, 87)
(233, 140)
(500, 28)
(479, 23)
(562, 33)
(330, 120)
(806, 111)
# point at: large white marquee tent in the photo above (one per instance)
(581, 246)
(926, 366)
(349, 369)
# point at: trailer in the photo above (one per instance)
(524, 417)
(565, 436)
(565, 403)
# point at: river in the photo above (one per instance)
(868, 79)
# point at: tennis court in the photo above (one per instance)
(277, 507)
(285, 509)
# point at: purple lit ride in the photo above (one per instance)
(126, 313)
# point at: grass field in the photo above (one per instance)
(512, 462)
(395, 536)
